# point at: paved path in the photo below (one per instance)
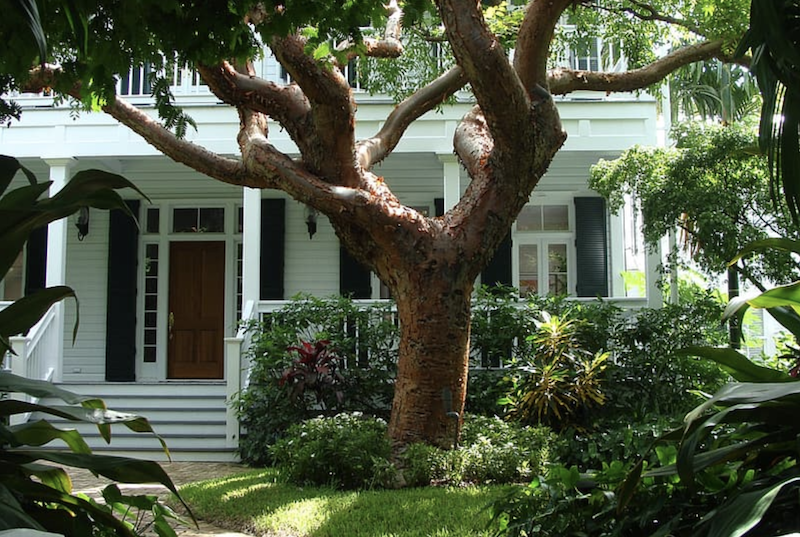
(180, 473)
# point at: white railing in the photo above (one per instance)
(236, 371)
(36, 355)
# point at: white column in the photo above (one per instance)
(57, 255)
(251, 246)
(452, 180)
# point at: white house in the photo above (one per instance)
(159, 304)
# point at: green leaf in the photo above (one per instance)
(628, 487)
(9, 166)
(745, 511)
(12, 515)
(52, 476)
(737, 365)
(20, 316)
(41, 432)
(775, 243)
(40, 388)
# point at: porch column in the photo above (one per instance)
(251, 247)
(56, 267)
(452, 180)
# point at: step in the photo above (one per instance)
(147, 389)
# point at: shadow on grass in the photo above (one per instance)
(258, 502)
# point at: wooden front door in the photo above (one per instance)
(196, 310)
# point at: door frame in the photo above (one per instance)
(157, 371)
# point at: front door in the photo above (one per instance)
(196, 310)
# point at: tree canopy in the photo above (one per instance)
(714, 188)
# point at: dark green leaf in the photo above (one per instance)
(745, 511)
(20, 316)
(737, 365)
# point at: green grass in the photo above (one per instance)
(258, 502)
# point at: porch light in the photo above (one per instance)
(311, 221)
(82, 223)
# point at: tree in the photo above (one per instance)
(712, 187)
(506, 142)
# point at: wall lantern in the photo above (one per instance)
(82, 223)
(311, 221)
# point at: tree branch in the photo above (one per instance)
(533, 42)
(648, 13)
(196, 157)
(563, 81)
(496, 86)
(374, 149)
(286, 104)
(388, 47)
(330, 148)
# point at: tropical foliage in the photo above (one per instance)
(35, 489)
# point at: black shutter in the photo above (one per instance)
(591, 245)
(273, 246)
(36, 260)
(355, 280)
(123, 249)
(438, 205)
(498, 271)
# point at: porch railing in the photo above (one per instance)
(36, 355)
(236, 371)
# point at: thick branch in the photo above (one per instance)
(390, 45)
(285, 104)
(196, 157)
(330, 149)
(533, 42)
(497, 88)
(373, 150)
(563, 81)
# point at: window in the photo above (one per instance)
(543, 242)
(194, 220)
(150, 302)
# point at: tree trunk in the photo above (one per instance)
(433, 361)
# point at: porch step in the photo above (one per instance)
(189, 416)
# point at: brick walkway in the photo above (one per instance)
(180, 473)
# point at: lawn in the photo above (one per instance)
(259, 503)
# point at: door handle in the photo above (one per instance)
(171, 323)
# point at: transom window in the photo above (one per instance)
(198, 220)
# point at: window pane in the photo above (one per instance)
(557, 269)
(184, 220)
(212, 220)
(557, 258)
(556, 218)
(240, 220)
(558, 284)
(528, 269)
(153, 218)
(530, 218)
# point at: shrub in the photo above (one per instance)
(559, 380)
(491, 451)
(648, 374)
(363, 342)
(346, 451)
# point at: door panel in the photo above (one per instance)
(197, 311)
